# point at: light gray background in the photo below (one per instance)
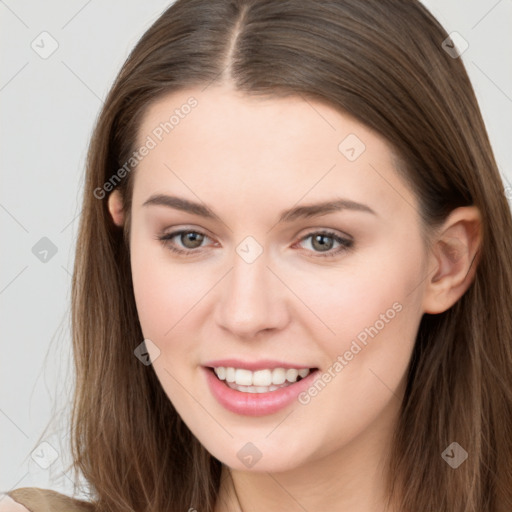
(48, 107)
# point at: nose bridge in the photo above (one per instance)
(249, 300)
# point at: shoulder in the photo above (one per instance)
(7, 504)
(34, 499)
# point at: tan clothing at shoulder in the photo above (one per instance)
(46, 500)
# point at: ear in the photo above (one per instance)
(115, 207)
(454, 255)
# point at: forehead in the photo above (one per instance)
(221, 144)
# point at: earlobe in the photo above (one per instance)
(454, 259)
(115, 207)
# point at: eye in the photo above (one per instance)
(186, 242)
(189, 242)
(322, 242)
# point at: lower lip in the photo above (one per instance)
(256, 404)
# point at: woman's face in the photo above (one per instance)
(291, 244)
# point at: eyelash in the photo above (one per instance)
(345, 244)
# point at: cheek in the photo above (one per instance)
(361, 291)
(165, 296)
(373, 305)
(374, 311)
(164, 293)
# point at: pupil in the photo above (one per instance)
(322, 245)
(191, 240)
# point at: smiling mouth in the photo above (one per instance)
(260, 381)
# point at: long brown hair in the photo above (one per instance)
(381, 61)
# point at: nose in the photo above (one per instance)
(252, 299)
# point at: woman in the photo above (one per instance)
(292, 278)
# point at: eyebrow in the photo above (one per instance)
(298, 212)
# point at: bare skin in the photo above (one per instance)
(303, 299)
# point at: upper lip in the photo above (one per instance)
(261, 364)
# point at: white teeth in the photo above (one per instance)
(260, 378)
(243, 377)
(230, 374)
(221, 373)
(278, 376)
(291, 374)
(254, 389)
(304, 373)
